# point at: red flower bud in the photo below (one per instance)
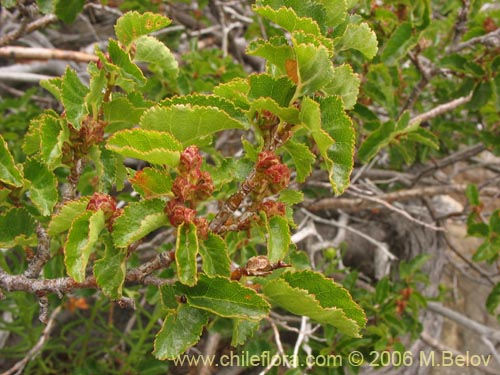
(182, 189)
(272, 208)
(202, 227)
(266, 159)
(190, 159)
(178, 213)
(204, 187)
(278, 176)
(103, 202)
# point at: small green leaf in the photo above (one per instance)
(314, 66)
(225, 298)
(9, 173)
(133, 25)
(188, 124)
(97, 86)
(168, 299)
(339, 126)
(181, 330)
(152, 182)
(152, 146)
(281, 90)
(359, 37)
(120, 113)
(109, 271)
(127, 69)
(17, 227)
(242, 330)
(288, 19)
(400, 43)
(138, 220)
(424, 137)
(159, 57)
(495, 222)
(472, 194)
(62, 221)
(291, 197)
(301, 302)
(287, 114)
(214, 254)
(186, 250)
(73, 93)
(278, 238)
(302, 158)
(344, 83)
(275, 50)
(376, 141)
(68, 10)
(82, 238)
(235, 91)
(53, 85)
(42, 187)
(493, 299)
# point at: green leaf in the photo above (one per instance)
(109, 271)
(235, 91)
(168, 299)
(152, 146)
(281, 90)
(120, 113)
(376, 141)
(133, 25)
(181, 330)
(288, 19)
(43, 190)
(128, 70)
(53, 135)
(300, 302)
(214, 253)
(9, 173)
(481, 95)
(278, 239)
(68, 10)
(291, 197)
(302, 158)
(188, 124)
(225, 298)
(314, 66)
(400, 43)
(275, 50)
(152, 183)
(62, 221)
(159, 57)
(472, 194)
(97, 86)
(359, 37)
(242, 330)
(53, 85)
(495, 222)
(186, 250)
(287, 114)
(138, 220)
(208, 101)
(344, 83)
(340, 155)
(327, 292)
(17, 227)
(73, 93)
(493, 299)
(82, 238)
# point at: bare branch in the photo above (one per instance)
(35, 25)
(440, 109)
(42, 254)
(31, 53)
(490, 40)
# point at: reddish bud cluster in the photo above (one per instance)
(273, 171)
(178, 213)
(272, 208)
(189, 187)
(107, 204)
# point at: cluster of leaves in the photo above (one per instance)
(76, 160)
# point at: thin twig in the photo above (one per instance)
(31, 53)
(491, 40)
(32, 26)
(42, 254)
(440, 109)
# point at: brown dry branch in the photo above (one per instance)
(64, 285)
(32, 53)
(28, 28)
(357, 204)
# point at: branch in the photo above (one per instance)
(35, 25)
(357, 204)
(42, 254)
(29, 53)
(491, 40)
(64, 285)
(440, 109)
